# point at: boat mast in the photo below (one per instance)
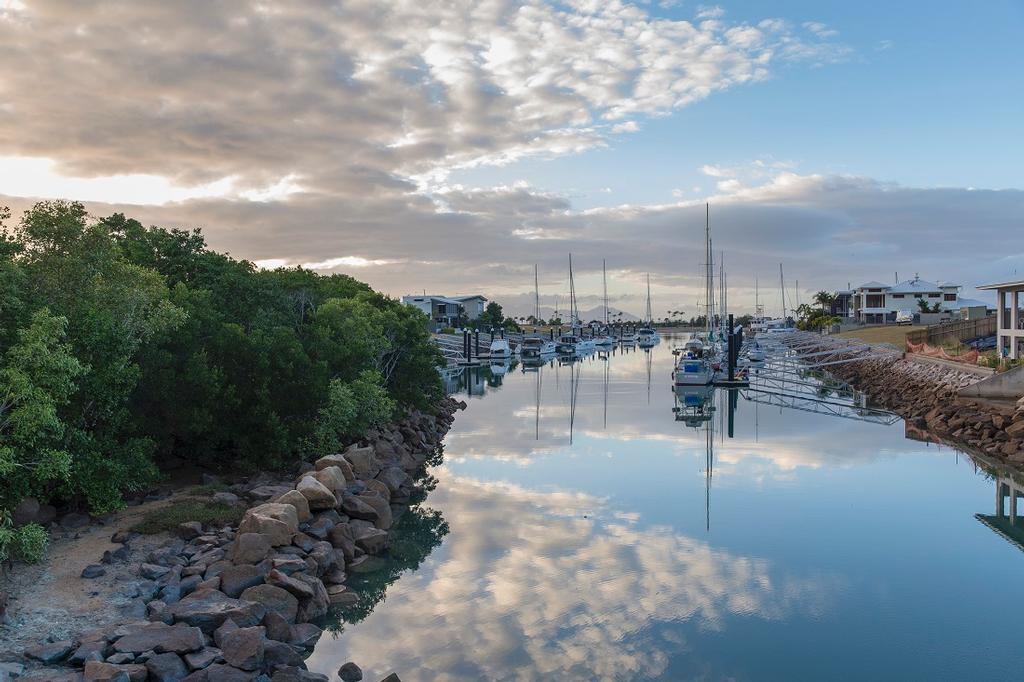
(536, 296)
(604, 276)
(572, 297)
(650, 322)
(782, 292)
(708, 272)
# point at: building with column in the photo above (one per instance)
(1010, 318)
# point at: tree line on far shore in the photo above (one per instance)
(121, 345)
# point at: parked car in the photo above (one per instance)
(904, 317)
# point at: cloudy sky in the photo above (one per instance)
(451, 146)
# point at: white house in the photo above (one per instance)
(443, 311)
(1010, 317)
(877, 303)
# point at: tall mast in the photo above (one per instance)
(709, 305)
(649, 320)
(536, 296)
(781, 290)
(604, 276)
(573, 311)
(757, 305)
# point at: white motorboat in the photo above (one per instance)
(536, 346)
(570, 344)
(500, 348)
(694, 367)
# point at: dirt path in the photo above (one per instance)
(52, 600)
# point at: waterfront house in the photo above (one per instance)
(444, 311)
(1009, 317)
(877, 303)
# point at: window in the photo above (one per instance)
(918, 295)
(949, 297)
(933, 295)
(875, 301)
(897, 295)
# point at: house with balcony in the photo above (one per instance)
(1009, 317)
(444, 311)
(877, 303)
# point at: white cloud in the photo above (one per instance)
(710, 11)
(626, 127)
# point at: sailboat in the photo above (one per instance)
(573, 342)
(695, 361)
(647, 335)
(536, 346)
(605, 339)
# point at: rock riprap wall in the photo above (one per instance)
(238, 604)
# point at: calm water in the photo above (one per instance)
(576, 532)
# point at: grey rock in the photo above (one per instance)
(89, 651)
(74, 521)
(161, 638)
(372, 540)
(236, 579)
(357, 508)
(229, 499)
(250, 548)
(277, 654)
(305, 635)
(277, 521)
(51, 652)
(120, 659)
(277, 627)
(219, 672)
(364, 462)
(296, 587)
(26, 512)
(93, 571)
(98, 671)
(295, 674)
(299, 501)
(190, 530)
(381, 506)
(208, 609)
(273, 599)
(204, 658)
(350, 672)
(166, 668)
(244, 648)
(265, 493)
(153, 571)
(316, 493)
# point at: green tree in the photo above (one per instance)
(492, 316)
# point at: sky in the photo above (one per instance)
(449, 147)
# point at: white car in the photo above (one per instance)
(904, 317)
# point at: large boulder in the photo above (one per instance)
(341, 537)
(365, 464)
(273, 598)
(236, 579)
(394, 478)
(332, 478)
(244, 648)
(277, 521)
(299, 501)
(296, 587)
(248, 548)
(336, 461)
(357, 508)
(316, 606)
(381, 506)
(161, 638)
(51, 652)
(316, 493)
(371, 540)
(98, 671)
(166, 668)
(208, 609)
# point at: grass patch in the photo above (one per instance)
(891, 333)
(170, 517)
(209, 489)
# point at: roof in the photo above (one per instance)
(873, 285)
(971, 303)
(1003, 285)
(915, 286)
(466, 298)
(430, 297)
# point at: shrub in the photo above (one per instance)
(27, 543)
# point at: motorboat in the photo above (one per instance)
(536, 346)
(500, 348)
(694, 366)
(571, 343)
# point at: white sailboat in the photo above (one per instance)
(695, 361)
(605, 339)
(573, 342)
(647, 335)
(536, 346)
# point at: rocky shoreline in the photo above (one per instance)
(240, 603)
(926, 396)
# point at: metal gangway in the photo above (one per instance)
(794, 375)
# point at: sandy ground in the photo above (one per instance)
(51, 599)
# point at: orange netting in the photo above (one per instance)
(969, 358)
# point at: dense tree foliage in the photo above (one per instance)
(123, 345)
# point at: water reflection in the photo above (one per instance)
(577, 500)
